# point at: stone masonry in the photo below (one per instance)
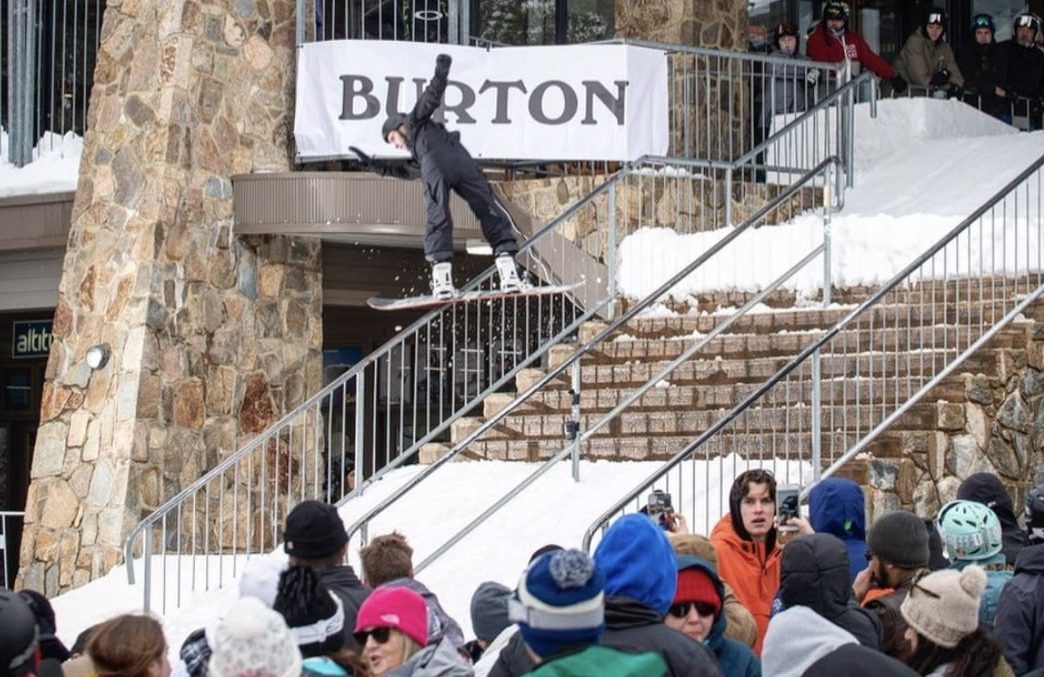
(211, 337)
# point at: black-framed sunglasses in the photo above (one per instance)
(380, 635)
(682, 610)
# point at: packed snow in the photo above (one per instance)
(55, 167)
(921, 167)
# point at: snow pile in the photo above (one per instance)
(55, 167)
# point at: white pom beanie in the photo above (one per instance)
(253, 640)
(944, 605)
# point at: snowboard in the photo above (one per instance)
(429, 301)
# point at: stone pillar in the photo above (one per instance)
(714, 24)
(211, 337)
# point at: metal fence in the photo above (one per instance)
(10, 526)
(48, 49)
(871, 368)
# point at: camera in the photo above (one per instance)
(786, 504)
(660, 510)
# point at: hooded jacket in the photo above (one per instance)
(986, 488)
(978, 65)
(751, 569)
(434, 660)
(855, 660)
(439, 622)
(837, 506)
(641, 577)
(1020, 68)
(734, 658)
(797, 638)
(815, 575)
(848, 46)
(921, 58)
(347, 587)
(1020, 613)
(604, 662)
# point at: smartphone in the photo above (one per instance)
(786, 505)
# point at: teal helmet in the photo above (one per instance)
(969, 530)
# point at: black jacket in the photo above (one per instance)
(986, 488)
(1020, 613)
(343, 582)
(854, 660)
(1020, 69)
(978, 64)
(633, 627)
(514, 660)
(815, 574)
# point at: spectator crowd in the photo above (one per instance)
(769, 592)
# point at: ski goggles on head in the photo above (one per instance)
(935, 18)
(1026, 20)
(982, 21)
(960, 546)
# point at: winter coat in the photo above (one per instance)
(513, 659)
(751, 569)
(921, 58)
(978, 65)
(815, 575)
(797, 637)
(1020, 613)
(1002, 670)
(434, 660)
(491, 655)
(886, 608)
(321, 666)
(828, 48)
(856, 660)
(837, 506)
(347, 587)
(439, 622)
(604, 662)
(734, 659)
(1020, 69)
(986, 488)
(997, 579)
(784, 86)
(634, 627)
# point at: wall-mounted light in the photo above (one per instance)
(97, 356)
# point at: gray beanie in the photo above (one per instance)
(393, 122)
(899, 538)
(489, 610)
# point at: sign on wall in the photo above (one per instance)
(574, 102)
(31, 338)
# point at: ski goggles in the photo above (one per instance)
(982, 21)
(962, 545)
(935, 18)
(1026, 20)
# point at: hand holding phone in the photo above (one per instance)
(786, 506)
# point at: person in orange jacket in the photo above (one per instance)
(747, 547)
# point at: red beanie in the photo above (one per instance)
(399, 608)
(695, 585)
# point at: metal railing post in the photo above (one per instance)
(146, 577)
(299, 29)
(610, 254)
(728, 196)
(360, 431)
(21, 93)
(573, 426)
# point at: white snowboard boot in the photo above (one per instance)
(442, 281)
(508, 271)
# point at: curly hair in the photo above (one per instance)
(388, 557)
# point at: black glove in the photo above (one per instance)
(442, 64)
(956, 91)
(940, 78)
(898, 84)
(364, 159)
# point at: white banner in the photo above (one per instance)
(577, 102)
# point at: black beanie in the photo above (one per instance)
(314, 530)
(899, 538)
(393, 122)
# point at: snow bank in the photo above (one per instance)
(55, 167)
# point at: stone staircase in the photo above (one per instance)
(734, 364)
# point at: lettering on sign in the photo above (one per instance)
(31, 339)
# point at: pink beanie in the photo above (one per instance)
(398, 608)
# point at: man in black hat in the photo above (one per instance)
(315, 538)
(896, 553)
(443, 163)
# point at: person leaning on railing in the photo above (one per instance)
(1020, 66)
(833, 42)
(977, 59)
(926, 59)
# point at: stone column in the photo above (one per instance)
(211, 337)
(714, 24)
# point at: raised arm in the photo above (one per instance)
(431, 97)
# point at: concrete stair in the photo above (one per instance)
(733, 365)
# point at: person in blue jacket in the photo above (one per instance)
(697, 613)
(836, 506)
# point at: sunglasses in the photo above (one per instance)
(380, 635)
(682, 610)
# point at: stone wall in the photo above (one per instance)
(715, 24)
(211, 337)
(988, 420)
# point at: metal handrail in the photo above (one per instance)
(5, 539)
(551, 374)
(816, 346)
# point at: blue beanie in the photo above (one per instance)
(638, 562)
(559, 602)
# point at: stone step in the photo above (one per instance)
(794, 446)
(971, 315)
(848, 391)
(767, 419)
(625, 348)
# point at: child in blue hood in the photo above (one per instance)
(836, 506)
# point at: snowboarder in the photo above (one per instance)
(442, 163)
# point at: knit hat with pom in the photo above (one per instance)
(560, 602)
(944, 605)
(253, 640)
